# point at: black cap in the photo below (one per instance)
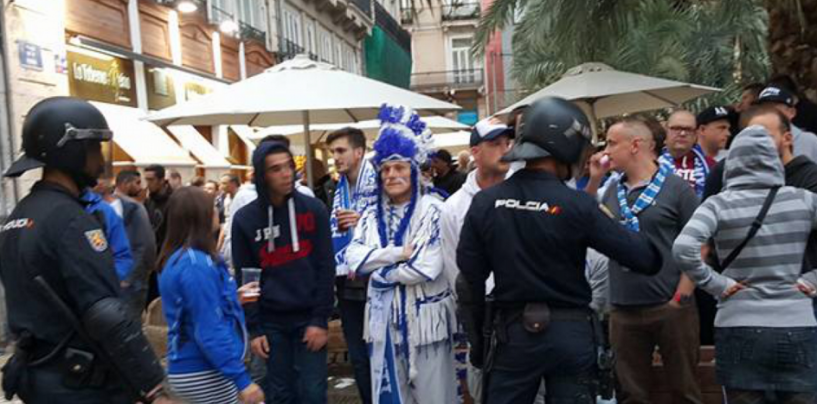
(713, 114)
(777, 95)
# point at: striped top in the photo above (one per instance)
(771, 263)
(208, 387)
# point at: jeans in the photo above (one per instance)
(564, 355)
(295, 375)
(634, 334)
(766, 359)
(44, 386)
(352, 317)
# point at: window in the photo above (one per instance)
(462, 63)
(351, 60)
(311, 43)
(293, 36)
(221, 10)
(325, 45)
(252, 12)
(339, 53)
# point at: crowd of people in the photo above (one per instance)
(523, 271)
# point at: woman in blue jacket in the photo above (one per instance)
(207, 338)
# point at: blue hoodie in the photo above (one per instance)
(206, 328)
(297, 262)
(114, 231)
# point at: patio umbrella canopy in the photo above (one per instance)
(297, 92)
(371, 128)
(606, 92)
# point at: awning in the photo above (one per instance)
(245, 133)
(143, 141)
(201, 149)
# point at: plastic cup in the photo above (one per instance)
(251, 275)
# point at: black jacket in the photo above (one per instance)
(532, 232)
(50, 234)
(156, 206)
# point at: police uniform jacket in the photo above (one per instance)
(532, 232)
(50, 234)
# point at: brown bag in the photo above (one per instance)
(536, 317)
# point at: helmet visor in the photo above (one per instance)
(72, 133)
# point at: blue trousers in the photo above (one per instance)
(295, 375)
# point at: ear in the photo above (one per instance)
(788, 139)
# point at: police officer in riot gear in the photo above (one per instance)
(75, 342)
(532, 232)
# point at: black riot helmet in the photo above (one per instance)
(58, 132)
(553, 127)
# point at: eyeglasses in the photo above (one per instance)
(681, 129)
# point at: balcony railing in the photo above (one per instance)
(250, 32)
(288, 49)
(460, 11)
(451, 79)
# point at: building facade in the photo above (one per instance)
(130, 57)
(444, 66)
(442, 34)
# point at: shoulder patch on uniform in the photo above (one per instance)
(606, 211)
(97, 240)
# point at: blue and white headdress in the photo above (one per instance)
(403, 137)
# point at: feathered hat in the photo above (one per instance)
(403, 136)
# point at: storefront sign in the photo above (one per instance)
(101, 77)
(31, 55)
(161, 88)
(193, 89)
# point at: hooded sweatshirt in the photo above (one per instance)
(770, 264)
(114, 231)
(292, 246)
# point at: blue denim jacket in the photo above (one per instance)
(206, 329)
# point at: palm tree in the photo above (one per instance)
(712, 42)
(792, 46)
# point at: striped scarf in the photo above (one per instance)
(701, 167)
(629, 216)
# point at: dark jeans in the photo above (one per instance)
(767, 360)
(563, 355)
(295, 375)
(634, 334)
(44, 386)
(352, 316)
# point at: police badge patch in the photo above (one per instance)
(97, 240)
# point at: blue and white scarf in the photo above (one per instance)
(629, 216)
(701, 167)
(358, 199)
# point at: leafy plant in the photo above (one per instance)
(719, 43)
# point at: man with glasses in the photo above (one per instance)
(683, 153)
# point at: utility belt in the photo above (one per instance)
(79, 367)
(536, 317)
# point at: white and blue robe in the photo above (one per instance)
(410, 311)
(347, 197)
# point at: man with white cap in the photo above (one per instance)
(490, 140)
